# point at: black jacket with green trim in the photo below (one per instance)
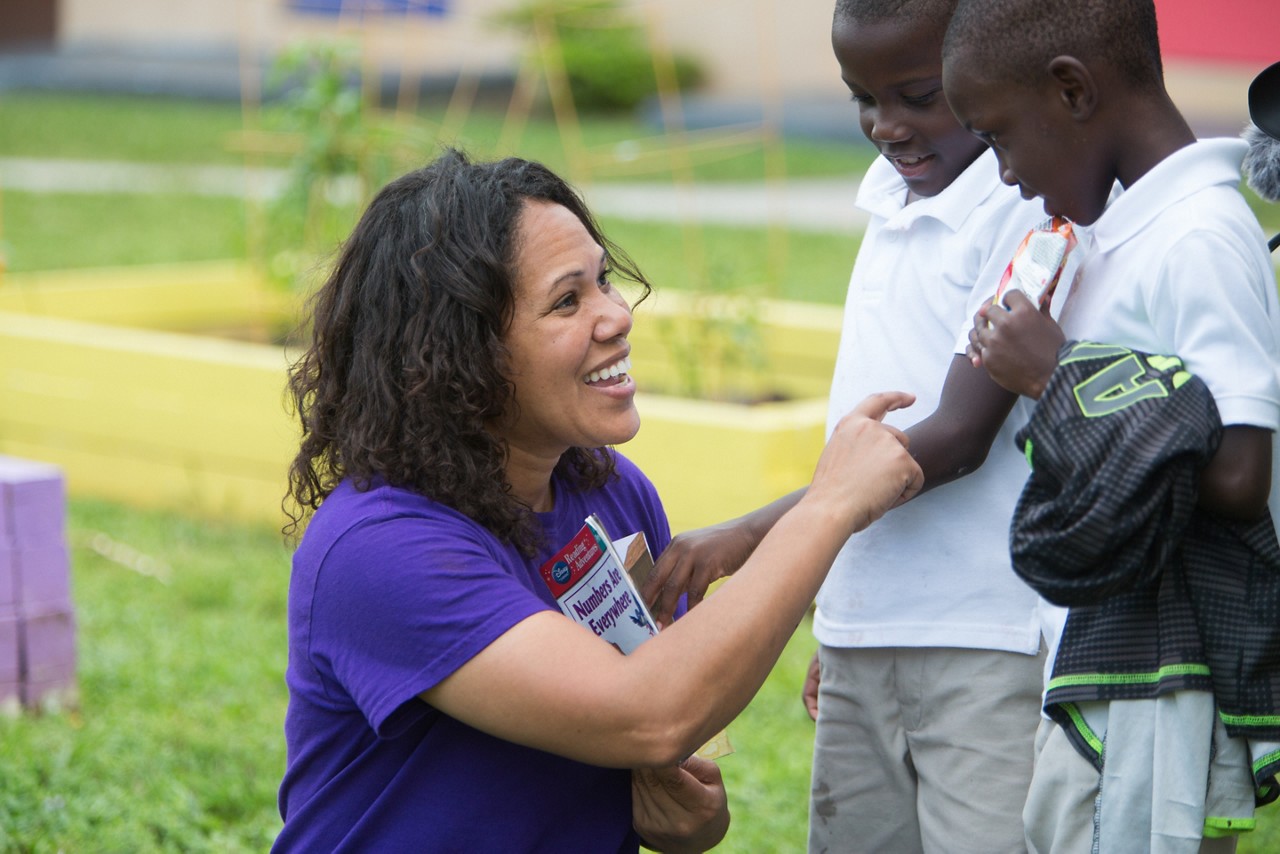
(1163, 596)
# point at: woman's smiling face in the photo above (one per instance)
(567, 341)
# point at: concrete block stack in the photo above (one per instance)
(37, 618)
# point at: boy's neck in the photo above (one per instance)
(1150, 129)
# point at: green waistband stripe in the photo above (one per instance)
(1249, 720)
(1165, 672)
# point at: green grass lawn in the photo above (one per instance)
(168, 130)
(68, 231)
(178, 745)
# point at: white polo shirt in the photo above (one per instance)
(936, 571)
(1177, 264)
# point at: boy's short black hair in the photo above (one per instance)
(1016, 39)
(908, 11)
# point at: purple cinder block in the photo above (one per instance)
(8, 577)
(10, 657)
(44, 577)
(48, 646)
(62, 691)
(32, 502)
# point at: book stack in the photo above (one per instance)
(37, 619)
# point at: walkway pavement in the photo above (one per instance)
(824, 205)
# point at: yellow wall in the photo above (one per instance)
(196, 423)
(152, 418)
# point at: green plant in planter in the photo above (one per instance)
(717, 347)
(342, 152)
(605, 54)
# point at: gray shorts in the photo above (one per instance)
(1169, 771)
(923, 750)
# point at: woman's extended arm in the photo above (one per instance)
(550, 684)
(951, 442)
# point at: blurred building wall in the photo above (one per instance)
(417, 43)
(28, 23)
(759, 46)
(764, 50)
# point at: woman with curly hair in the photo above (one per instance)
(467, 377)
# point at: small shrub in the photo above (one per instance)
(606, 55)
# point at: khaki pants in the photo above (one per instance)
(923, 750)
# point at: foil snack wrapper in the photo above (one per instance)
(1038, 262)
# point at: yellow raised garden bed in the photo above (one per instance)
(124, 379)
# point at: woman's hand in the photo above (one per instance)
(1017, 345)
(865, 468)
(681, 808)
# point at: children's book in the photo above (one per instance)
(596, 582)
(591, 585)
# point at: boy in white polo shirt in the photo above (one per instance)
(1072, 100)
(929, 693)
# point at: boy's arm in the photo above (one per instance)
(695, 559)
(948, 444)
(1237, 480)
(955, 439)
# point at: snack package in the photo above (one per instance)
(1037, 265)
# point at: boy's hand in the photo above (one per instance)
(1017, 345)
(809, 694)
(692, 562)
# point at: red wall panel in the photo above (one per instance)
(1244, 31)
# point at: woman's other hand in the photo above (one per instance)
(680, 808)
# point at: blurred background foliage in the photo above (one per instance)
(605, 52)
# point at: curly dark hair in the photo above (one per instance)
(407, 366)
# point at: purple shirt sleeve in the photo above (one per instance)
(402, 603)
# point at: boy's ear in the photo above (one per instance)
(1076, 86)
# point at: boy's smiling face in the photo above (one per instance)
(1041, 145)
(894, 70)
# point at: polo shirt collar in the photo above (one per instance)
(1188, 170)
(883, 193)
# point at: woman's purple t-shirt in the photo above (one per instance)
(391, 593)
